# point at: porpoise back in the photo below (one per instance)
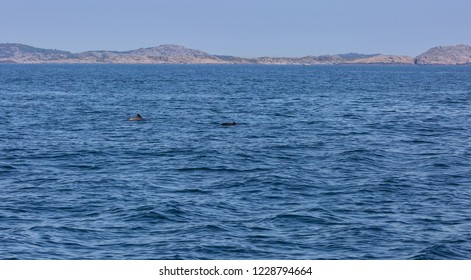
(136, 118)
(228, 124)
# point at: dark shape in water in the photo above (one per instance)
(136, 118)
(228, 124)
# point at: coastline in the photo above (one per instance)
(11, 53)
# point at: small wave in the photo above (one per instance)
(208, 169)
(82, 167)
(147, 216)
(6, 167)
(360, 151)
(447, 251)
(192, 191)
(417, 141)
(294, 218)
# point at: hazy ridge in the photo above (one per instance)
(174, 54)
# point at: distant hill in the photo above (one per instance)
(174, 54)
(18, 53)
(449, 55)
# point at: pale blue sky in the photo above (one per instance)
(246, 28)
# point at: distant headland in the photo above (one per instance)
(174, 54)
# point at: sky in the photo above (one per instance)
(247, 28)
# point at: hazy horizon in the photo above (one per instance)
(216, 54)
(239, 28)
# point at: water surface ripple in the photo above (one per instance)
(327, 162)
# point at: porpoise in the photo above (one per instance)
(136, 118)
(228, 124)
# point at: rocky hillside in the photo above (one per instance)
(324, 59)
(173, 54)
(449, 55)
(384, 59)
(18, 53)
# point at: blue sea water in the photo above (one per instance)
(326, 162)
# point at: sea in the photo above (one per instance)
(324, 162)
